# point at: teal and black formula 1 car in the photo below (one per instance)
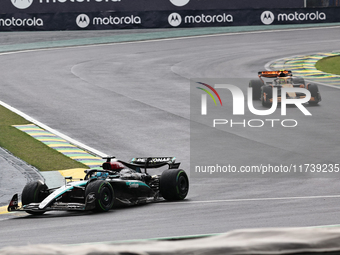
(263, 88)
(116, 183)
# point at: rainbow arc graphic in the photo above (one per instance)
(204, 97)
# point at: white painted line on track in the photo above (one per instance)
(92, 150)
(252, 199)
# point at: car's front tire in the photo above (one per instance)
(33, 192)
(103, 193)
(314, 91)
(266, 95)
(256, 85)
(174, 184)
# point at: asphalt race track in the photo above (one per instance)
(132, 99)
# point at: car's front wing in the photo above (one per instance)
(56, 206)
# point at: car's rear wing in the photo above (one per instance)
(275, 74)
(154, 162)
(145, 162)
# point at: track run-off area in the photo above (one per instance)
(131, 99)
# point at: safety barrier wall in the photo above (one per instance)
(117, 14)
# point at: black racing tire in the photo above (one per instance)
(256, 85)
(298, 80)
(104, 194)
(33, 193)
(314, 91)
(174, 184)
(269, 95)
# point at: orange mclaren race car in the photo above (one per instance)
(263, 89)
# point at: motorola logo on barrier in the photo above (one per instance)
(179, 3)
(22, 4)
(83, 21)
(267, 17)
(175, 19)
(17, 22)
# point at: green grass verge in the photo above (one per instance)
(29, 149)
(329, 65)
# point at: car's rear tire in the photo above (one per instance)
(103, 193)
(33, 192)
(174, 184)
(314, 91)
(266, 95)
(256, 85)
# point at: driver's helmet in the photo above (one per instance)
(101, 175)
(281, 81)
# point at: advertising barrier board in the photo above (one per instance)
(164, 19)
